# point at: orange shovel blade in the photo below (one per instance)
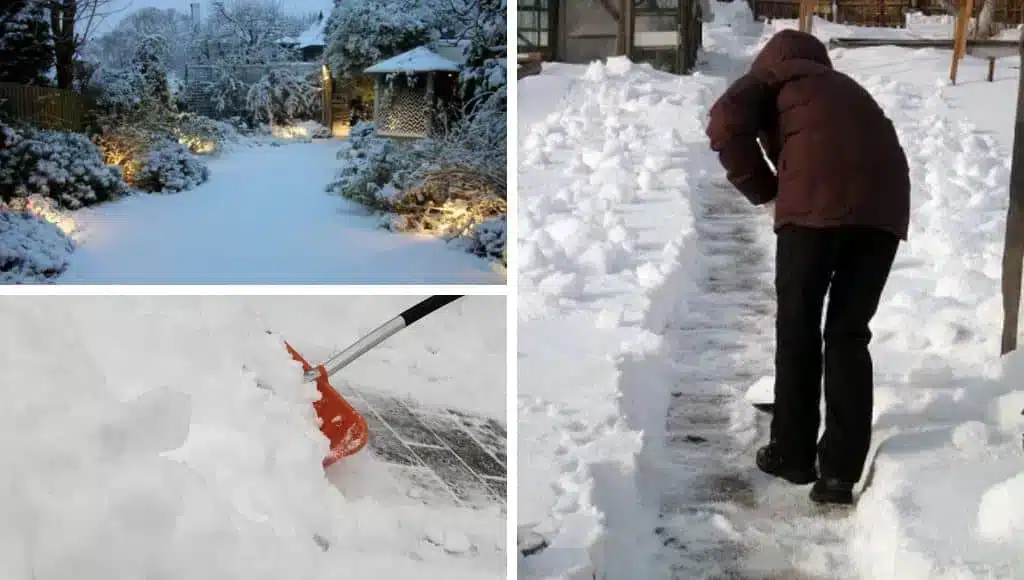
(343, 426)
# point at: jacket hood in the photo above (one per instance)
(788, 45)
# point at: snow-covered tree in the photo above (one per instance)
(119, 47)
(484, 73)
(361, 33)
(72, 23)
(246, 32)
(151, 56)
(282, 96)
(26, 50)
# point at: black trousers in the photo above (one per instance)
(851, 265)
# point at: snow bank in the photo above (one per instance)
(174, 438)
(605, 256)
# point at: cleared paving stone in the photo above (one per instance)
(448, 456)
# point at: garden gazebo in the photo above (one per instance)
(410, 88)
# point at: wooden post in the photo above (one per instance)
(1013, 249)
(328, 98)
(629, 16)
(621, 48)
(963, 16)
(991, 68)
(806, 15)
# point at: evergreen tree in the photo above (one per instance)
(26, 49)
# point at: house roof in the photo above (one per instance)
(314, 35)
(443, 57)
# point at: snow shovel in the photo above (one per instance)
(343, 426)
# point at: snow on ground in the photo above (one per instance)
(262, 218)
(605, 224)
(604, 447)
(171, 437)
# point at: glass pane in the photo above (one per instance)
(527, 20)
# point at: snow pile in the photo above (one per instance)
(31, 248)
(188, 447)
(65, 167)
(607, 157)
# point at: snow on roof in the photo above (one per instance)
(419, 59)
(314, 35)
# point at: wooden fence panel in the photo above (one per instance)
(886, 13)
(45, 107)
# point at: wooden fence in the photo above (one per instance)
(885, 13)
(45, 107)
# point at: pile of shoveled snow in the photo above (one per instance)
(605, 260)
(171, 437)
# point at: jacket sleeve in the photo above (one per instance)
(736, 122)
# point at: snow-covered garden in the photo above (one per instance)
(654, 277)
(240, 156)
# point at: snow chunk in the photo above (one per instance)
(971, 437)
(1001, 514)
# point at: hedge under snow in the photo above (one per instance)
(66, 167)
(32, 249)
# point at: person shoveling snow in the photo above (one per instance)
(842, 202)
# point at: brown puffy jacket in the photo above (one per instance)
(837, 156)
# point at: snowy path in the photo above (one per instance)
(263, 218)
(720, 516)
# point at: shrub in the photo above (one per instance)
(282, 96)
(31, 249)
(304, 131)
(369, 167)
(487, 239)
(66, 167)
(151, 161)
(169, 167)
(203, 135)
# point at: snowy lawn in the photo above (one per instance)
(171, 437)
(618, 191)
(263, 218)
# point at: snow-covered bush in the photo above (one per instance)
(138, 93)
(368, 169)
(151, 161)
(169, 167)
(282, 96)
(31, 248)
(66, 167)
(203, 135)
(44, 208)
(304, 131)
(487, 239)
(449, 202)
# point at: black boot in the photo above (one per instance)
(768, 461)
(832, 490)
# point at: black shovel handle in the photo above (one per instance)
(425, 307)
